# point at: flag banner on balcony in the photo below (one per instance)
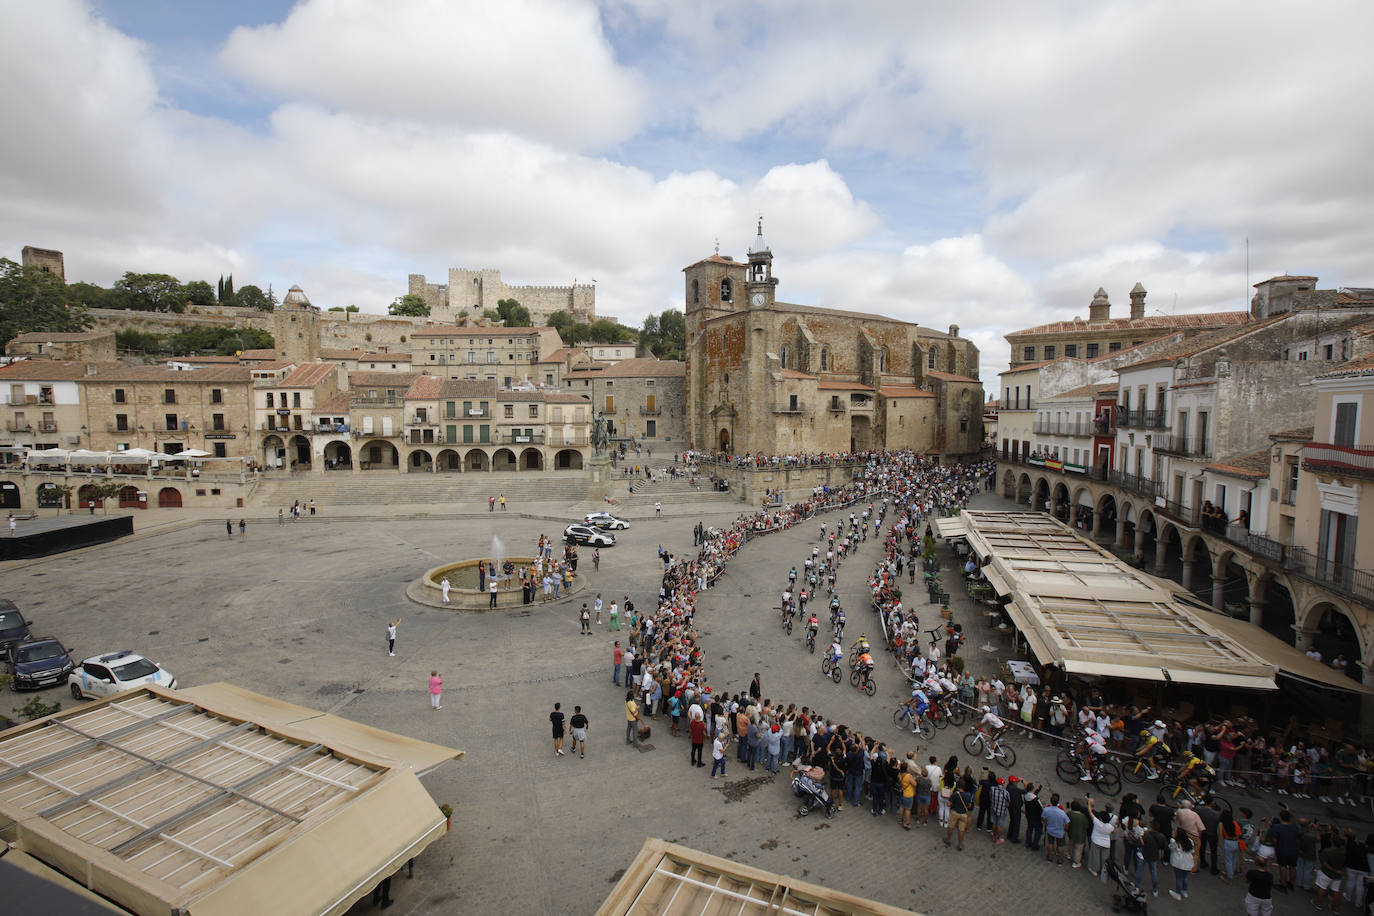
(1054, 464)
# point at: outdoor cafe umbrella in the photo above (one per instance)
(190, 453)
(86, 456)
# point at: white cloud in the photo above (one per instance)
(541, 68)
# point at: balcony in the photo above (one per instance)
(1141, 419)
(1191, 516)
(1062, 428)
(326, 428)
(1183, 446)
(1133, 482)
(1346, 580)
(427, 436)
(650, 411)
(116, 428)
(1104, 425)
(522, 439)
(793, 409)
(477, 412)
(1339, 460)
(47, 426)
(19, 426)
(836, 407)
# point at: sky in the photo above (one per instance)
(982, 164)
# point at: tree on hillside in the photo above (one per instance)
(150, 292)
(491, 315)
(90, 296)
(411, 305)
(131, 341)
(198, 292)
(35, 300)
(228, 297)
(513, 314)
(562, 322)
(604, 330)
(251, 297)
(665, 335)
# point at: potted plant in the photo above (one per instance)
(447, 812)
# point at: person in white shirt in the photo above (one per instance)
(992, 726)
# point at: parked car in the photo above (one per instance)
(13, 627)
(105, 675)
(584, 534)
(605, 521)
(39, 663)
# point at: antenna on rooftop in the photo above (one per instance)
(1245, 296)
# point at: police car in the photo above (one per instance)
(583, 534)
(105, 675)
(605, 521)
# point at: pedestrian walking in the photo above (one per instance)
(617, 656)
(613, 618)
(556, 718)
(391, 636)
(436, 690)
(228, 527)
(503, 502)
(445, 586)
(491, 503)
(658, 508)
(586, 618)
(491, 592)
(312, 508)
(281, 516)
(596, 561)
(579, 725)
(718, 746)
(243, 528)
(597, 606)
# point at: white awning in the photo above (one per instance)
(951, 527)
(1288, 659)
(1142, 672)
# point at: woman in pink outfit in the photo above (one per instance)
(436, 690)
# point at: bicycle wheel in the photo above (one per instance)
(854, 678)
(1006, 755)
(957, 715)
(1169, 795)
(871, 687)
(788, 625)
(1108, 778)
(901, 717)
(1135, 773)
(1222, 804)
(973, 743)
(924, 728)
(811, 644)
(825, 665)
(1066, 769)
(835, 673)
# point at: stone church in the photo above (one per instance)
(768, 377)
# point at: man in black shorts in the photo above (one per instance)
(579, 731)
(1286, 848)
(556, 718)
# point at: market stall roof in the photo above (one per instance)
(1083, 609)
(1290, 660)
(164, 801)
(950, 527)
(666, 879)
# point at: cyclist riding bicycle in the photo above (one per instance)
(1196, 773)
(864, 667)
(1151, 747)
(792, 576)
(1093, 745)
(812, 625)
(836, 651)
(992, 727)
(834, 603)
(918, 704)
(860, 644)
(839, 625)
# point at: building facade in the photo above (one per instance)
(42, 403)
(92, 346)
(768, 377)
(507, 356)
(167, 410)
(641, 398)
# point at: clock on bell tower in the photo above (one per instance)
(761, 280)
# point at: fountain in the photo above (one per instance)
(465, 591)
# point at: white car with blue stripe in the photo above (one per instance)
(116, 672)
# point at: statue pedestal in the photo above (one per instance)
(600, 476)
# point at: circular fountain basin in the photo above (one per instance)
(464, 595)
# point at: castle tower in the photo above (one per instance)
(714, 286)
(1100, 309)
(296, 328)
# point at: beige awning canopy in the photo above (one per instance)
(1288, 659)
(950, 527)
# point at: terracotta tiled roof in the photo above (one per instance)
(59, 336)
(716, 259)
(793, 373)
(1150, 322)
(949, 376)
(1251, 465)
(640, 367)
(1361, 365)
(424, 388)
(904, 391)
(335, 404)
(369, 379)
(562, 397)
(309, 375)
(1083, 391)
(1301, 434)
(204, 360)
(163, 374)
(467, 388)
(264, 353)
(45, 370)
(1192, 345)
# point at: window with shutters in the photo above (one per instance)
(1347, 414)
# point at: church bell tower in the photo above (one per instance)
(761, 283)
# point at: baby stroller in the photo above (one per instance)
(1127, 897)
(808, 785)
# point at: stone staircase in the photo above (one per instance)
(452, 491)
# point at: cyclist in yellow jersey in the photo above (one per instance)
(1196, 772)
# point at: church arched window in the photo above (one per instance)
(825, 360)
(725, 290)
(782, 357)
(696, 292)
(882, 360)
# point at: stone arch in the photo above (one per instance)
(1330, 626)
(338, 455)
(86, 498)
(1009, 484)
(1061, 508)
(378, 455)
(1024, 490)
(169, 498)
(1041, 502)
(1271, 594)
(503, 459)
(568, 459)
(449, 460)
(1147, 530)
(419, 460)
(531, 459)
(1105, 516)
(476, 460)
(49, 497)
(825, 359)
(273, 452)
(300, 450)
(726, 292)
(128, 498)
(724, 439)
(10, 497)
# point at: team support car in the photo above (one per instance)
(39, 663)
(13, 627)
(605, 521)
(585, 534)
(105, 675)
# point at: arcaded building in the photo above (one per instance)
(774, 378)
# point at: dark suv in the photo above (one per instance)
(39, 663)
(13, 627)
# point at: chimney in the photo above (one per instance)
(954, 330)
(1100, 308)
(1137, 301)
